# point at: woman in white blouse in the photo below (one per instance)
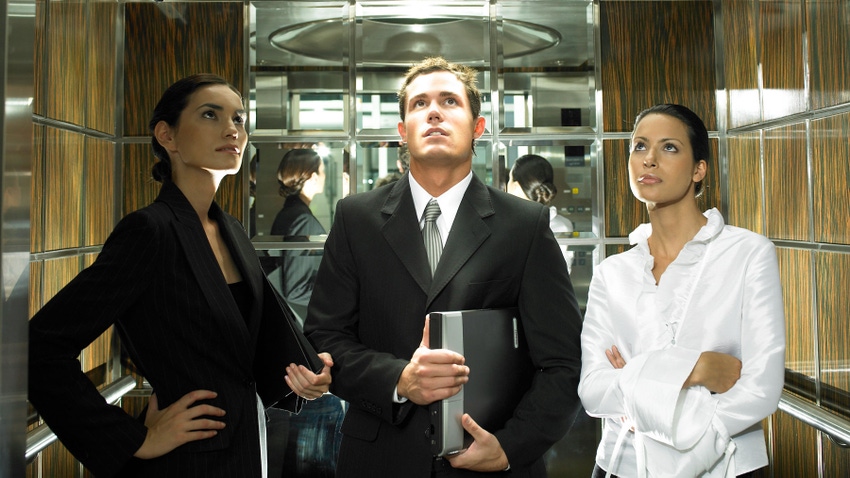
(683, 344)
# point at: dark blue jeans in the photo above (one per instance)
(306, 444)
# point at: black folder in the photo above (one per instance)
(500, 372)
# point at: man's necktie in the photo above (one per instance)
(431, 235)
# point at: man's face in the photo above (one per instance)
(438, 126)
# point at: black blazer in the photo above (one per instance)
(374, 289)
(158, 281)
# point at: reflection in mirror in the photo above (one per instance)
(377, 101)
(548, 100)
(317, 186)
(383, 162)
(571, 196)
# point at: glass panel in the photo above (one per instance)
(267, 202)
(299, 67)
(572, 175)
(547, 66)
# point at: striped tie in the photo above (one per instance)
(431, 235)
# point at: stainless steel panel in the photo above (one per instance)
(16, 73)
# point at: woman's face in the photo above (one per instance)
(661, 164)
(319, 178)
(210, 134)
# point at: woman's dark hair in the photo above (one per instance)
(296, 167)
(536, 178)
(697, 133)
(170, 106)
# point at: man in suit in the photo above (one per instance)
(375, 287)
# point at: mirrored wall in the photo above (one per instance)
(326, 74)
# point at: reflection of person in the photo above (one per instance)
(533, 178)
(182, 283)
(375, 251)
(683, 340)
(311, 440)
(301, 175)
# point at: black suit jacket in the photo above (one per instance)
(374, 289)
(158, 281)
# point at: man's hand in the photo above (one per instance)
(715, 371)
(307, 384)
(484, 454)
(178, 423)
(432, 375)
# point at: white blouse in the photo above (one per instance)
(722, 294)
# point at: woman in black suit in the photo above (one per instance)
(182, 283)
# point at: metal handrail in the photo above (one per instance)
(40, 437)
(835, 427)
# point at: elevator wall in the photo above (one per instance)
(771, 79)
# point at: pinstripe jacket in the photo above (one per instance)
(158, 281)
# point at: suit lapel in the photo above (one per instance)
(468, 232)
(202, 262)
(244, 255)
(401, 231)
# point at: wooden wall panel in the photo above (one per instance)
(745, 191)
(39, 136)
(656, 52)
(795, 452)
(99, 183)
(795, 271)
(829, 59)
(833, 274)
(39, 48)
(66, 61)
(836, 459)
(831, 178)
(623, 212)
(741, 62)
(102, 48)
(57, 274)
(36, 286)
(63, 179)
(138, 187)
(786, 183)
(204, 37)
(781, 55)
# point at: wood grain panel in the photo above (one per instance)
(138, 187)
(99, 352)
(786, 183)
(832, 271)
(39, 136)
(160, 49)
(781, 55)
(102, 46)
(39, 58)
(656, 52)
(829, 59)
(99, 191)
(57, 274)
(745, 192)
(623, 212)
(36, 286)
(836, 459)
(795, 452)
(740, 62)
(795, 272)
(63, 179)
(59, 461)
(831, 178)
(66, 61)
